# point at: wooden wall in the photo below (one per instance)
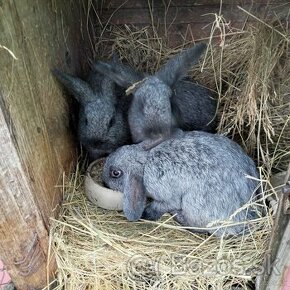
(185, 20)
(36, 141)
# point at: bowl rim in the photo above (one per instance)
(91, 165)
(98, 194)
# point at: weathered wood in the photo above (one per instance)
(185, 20)
(178, 34)
(24, 237)
(280, 265)
(115, 4)
(277, 257)
(35, 37)
(189, 14)
(183, 15)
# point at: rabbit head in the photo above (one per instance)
(123, 171)
(150, 114)
(102, 128)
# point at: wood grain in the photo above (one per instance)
(277, 257)
(115, 4)
(24, 237)
(36, 139)
(187, 19)
(178, 15)
(278, 265)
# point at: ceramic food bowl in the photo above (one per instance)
(98, 194)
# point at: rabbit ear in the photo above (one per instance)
(134, 197)
(77, 87)
(123, 75)
(178, 66)
(108, 89)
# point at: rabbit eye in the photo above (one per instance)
(116, 173)
(86, 121)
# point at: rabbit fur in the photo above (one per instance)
(165, 100)
(102, 124)
(197, 176)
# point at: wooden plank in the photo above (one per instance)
(185, 15)
(280, 266)
(178, 34)
(24, 237)
(31, 97)
(277, 256)
(115, 4)
(187, 20)
(35, 37)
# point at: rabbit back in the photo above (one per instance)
(202, 177)
(193, 106)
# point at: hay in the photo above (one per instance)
(253, 86)
(98, 249)
(249, 71)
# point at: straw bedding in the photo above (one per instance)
(99, 249)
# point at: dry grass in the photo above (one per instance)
(252, 79)
(98, 249)
(248, 71)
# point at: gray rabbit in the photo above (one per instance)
(103, 124)
(165, 100)
(197, 176)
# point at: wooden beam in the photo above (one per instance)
(39, 37)
(115, 4)
(277, 257)
(280, 266)
(36, 140)
(189, 14)
(24, 237)
(185, 21)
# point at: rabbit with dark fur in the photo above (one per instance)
(165, 100)
(199, 177)
(103, 125)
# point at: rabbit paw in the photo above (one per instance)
(179, 217)
(153, 211)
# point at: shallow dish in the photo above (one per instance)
(96, 192)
